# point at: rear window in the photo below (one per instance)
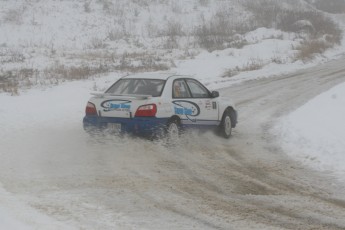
(152, 87)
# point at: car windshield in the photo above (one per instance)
(152, 87)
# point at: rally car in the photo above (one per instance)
(159, 103)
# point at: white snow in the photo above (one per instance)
(309, 134)
(312, 135)
(315, 133)
(24, 114)
(16, 215)
(9, 222)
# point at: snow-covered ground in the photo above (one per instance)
(315, 133)
(14, 215)
(312, 135)
(41, 40)
(309, 134)
(21, 114)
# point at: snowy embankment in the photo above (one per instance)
(314, 134)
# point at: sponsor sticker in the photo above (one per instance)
(208, 105)
(116, 105)
(186, 108)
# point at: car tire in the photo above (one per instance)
(226, 124)
(173, 130)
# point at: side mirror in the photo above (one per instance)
(215, 94)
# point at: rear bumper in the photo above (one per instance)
(140, 126)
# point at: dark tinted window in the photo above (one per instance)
(151, 87)
(180, 89)
(197, 90)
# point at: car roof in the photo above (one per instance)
(159, 76)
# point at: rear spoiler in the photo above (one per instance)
(126, 96)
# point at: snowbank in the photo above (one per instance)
(315, 133)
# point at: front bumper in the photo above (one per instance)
(136, 125)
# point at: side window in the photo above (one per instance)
(197, 90)
(180, 89)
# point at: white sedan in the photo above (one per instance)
(157, 103)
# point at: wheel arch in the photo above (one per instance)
(175, 118)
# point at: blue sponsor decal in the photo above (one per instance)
(186, 108)
(183, 111)
(116, 105)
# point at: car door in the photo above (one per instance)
(193, 103)
(208, 105)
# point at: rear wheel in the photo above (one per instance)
(173, 130)
(226, 125)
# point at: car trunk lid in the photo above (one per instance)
(123, 106)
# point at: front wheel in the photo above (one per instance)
(226, 125)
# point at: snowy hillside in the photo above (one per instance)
(46, 42)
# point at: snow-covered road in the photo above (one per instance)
(56, 177)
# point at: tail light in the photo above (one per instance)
(146, 111)
(90, 109)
